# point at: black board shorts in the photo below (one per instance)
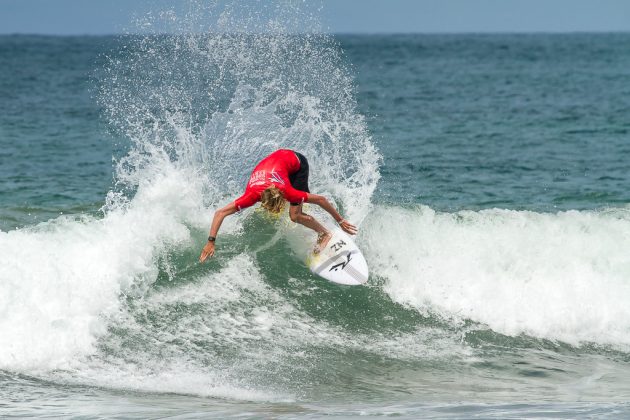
(299, 179)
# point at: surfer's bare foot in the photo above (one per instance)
(322, 240)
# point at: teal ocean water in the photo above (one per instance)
(487, 174)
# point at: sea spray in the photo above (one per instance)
(217, 100)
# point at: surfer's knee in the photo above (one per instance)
(300, 218)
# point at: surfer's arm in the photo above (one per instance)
(219, 215)
(323, 202)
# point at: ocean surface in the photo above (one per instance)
(488, 175)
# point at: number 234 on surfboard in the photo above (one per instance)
(340, 261)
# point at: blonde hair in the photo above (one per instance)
(272, 200)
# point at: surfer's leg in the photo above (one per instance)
(298, 216)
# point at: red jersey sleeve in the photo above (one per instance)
(246, 200)
(294, 196)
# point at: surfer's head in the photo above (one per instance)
(272, 200)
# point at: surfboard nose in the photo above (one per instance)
(340, 262)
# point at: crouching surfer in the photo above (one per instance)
(280, 177)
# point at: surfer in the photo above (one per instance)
(280, 177)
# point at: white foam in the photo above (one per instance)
(59, 278)
(166, 376)
(558, 276)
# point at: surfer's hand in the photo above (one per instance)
(348, 227)
(207, 251)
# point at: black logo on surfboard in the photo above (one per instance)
(337, 245)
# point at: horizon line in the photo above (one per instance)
(341, 33)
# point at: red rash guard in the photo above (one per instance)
(272, 170)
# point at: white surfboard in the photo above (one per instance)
(340, 262)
